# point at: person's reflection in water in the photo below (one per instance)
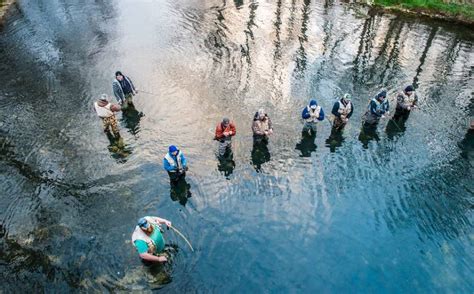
(226, 163)
(395, 127)
(467, 144)
(180, 191)
(131, 118)
(117, 148)
(307, 145)
(367, 134)
(335, 139)
(260, 153)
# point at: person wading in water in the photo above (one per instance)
(124, 90)
(312, 114)
(175, 164)
(106, 111)
(377, 109)
(406, 101)
(224, 133)
(342, 111)
(148, 238)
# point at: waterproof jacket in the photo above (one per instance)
(220, 131)
(312, 115)
(118, 91)
(173, 163)
(404, 101)
(340, 108)
(259, 127)
(377, 108)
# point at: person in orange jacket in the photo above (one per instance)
(225, 130)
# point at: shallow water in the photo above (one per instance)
(392, 214)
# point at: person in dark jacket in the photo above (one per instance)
(406, 101)
(124, 90)
(312, 114)
(378, 108)
(342, 111)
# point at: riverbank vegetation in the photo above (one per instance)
(455, 9)
(4, 5)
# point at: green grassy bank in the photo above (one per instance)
(455, 10)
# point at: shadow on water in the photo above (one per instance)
(159, 275)
(306, 144)
(131, 119)
(335, 139)
(180, 191)
(260, 153)
(395, 128)
(117, 148)
(226, 163)
(301, 55)
(367, 134)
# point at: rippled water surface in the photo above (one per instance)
(347, 214)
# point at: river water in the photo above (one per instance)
(391, 213)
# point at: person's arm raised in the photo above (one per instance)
(159, 221)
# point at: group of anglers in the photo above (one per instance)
(147, 236)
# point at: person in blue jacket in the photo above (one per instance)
(378, 108)
(312, 114)
(342, 111)
(175, 164)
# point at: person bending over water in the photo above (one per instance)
(148, 238)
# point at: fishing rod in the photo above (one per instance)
(393, 121)
(182, 236)
(330, 123)
(146, 92)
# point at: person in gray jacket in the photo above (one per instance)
(123, 90)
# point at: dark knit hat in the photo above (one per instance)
(409, 89)
(382, 94)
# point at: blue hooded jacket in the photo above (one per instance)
(305, 114)
(168, 166)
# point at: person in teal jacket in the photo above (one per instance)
(148, 238)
